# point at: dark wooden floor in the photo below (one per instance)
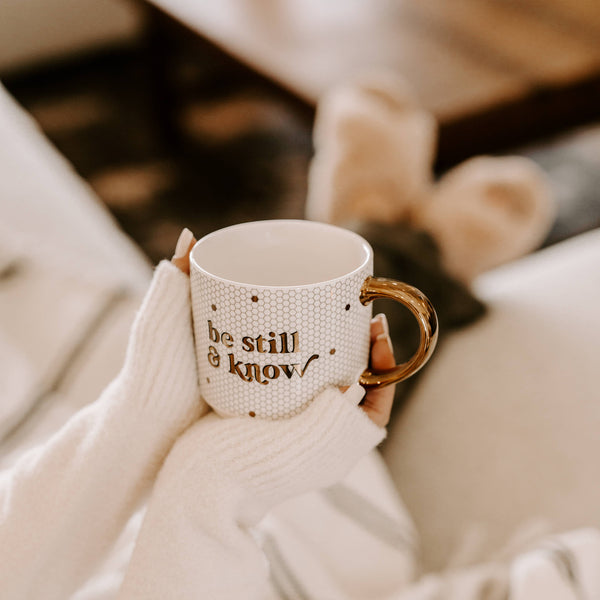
(494, 72)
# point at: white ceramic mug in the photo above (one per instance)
(282, 311)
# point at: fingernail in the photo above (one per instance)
(354, 394)
(183, 243)
(386, 337)
(381, 318)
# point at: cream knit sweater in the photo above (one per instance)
(64, 503)
(212, 518)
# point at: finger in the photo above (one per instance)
(354, 393)
(181, 258)
(382, 353)
(378, 402)
(379, 325)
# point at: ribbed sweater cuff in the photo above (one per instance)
(333, 432)
(159, 376)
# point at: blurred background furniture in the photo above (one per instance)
(242, 145)
(499, 442)
(493, 72)
(48, 211)
(34, 31)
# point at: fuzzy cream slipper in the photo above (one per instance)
(487, 211)
(373, 164)
(374, 152)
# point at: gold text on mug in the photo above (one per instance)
(252, 371)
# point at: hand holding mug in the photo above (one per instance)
(282, 311)
(377, 402)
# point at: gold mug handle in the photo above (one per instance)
(421, 308)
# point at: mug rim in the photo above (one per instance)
(194, 265)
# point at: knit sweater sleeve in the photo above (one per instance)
(65, 502)
(221, 478)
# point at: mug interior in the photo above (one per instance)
(280, 253)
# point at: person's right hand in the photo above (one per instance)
(378, 402)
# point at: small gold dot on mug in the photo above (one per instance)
(347, 307)
(254, 298)
(208, 380)
(332, 351)
(252, 413)
(214, 307)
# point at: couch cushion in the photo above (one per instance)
(504, 425)
(48, 205)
